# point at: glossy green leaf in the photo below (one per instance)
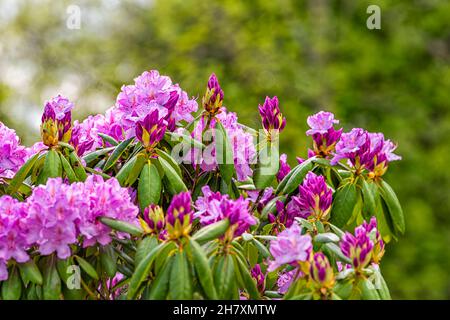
(395, 209)
(344, 200)
(212, 231)
(160, 286)
(170, 160)
(77, 166)
(326, 237)
(142, 271)
(295, 177)
(22, 174)
(108, 259)
(261, 248)
(180, 278)
(30, 272)
(51, 288)
(68, 169)
(203, 270)
(249, 282)
(117, 153)
(368, 290)
(122, 226)
(368, 190)
(108, 139)
(337, 251)
(149, 187)
(87, 267)
(173, 178)
(88, 158)
(12, 287)
(144, 246)
(52, 167)
(224, 276)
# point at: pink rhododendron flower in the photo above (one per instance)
(290, 247)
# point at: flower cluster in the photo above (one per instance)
(213, 207)
(290, 247)
(13, 236)
(359, 248)
(56, 215)
(365, 150)
(152, 91)
(323, 133)
(12, 154)
(314, 198)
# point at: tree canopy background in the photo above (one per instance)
(313, 54)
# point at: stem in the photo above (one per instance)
(85, 287)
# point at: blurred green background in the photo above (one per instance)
(314, 55)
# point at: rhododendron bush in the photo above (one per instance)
(163, 198)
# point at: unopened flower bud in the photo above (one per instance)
(321, 271)
(213, 98)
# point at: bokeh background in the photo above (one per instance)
(313, 54)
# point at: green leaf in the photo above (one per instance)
(368, 190)
(203, 270)
(109, 139)
(149, 187)
(68, 169)
(170, 160)
(121, 226)
(336, 230)
(295, 177)
(180, 278)
(261, 248)
(267, 167)
(125, 170)
(249, 282)
(395, 209)
(12, 287)
(160, 286)
(383, 290)
(108, 259)
(96, 154)
(141, 160)
(52, 283)
(326, 237)
(344, 200)
(142, 271)
(52, 167)
(174, 179)
(30, 272)
(337, 251)
(368, 291)
(212, 231)
(224, 276)
(87, 267)
(146, 245)
(22, 174)
(117, 153)
(77, 166)
(224, 153)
